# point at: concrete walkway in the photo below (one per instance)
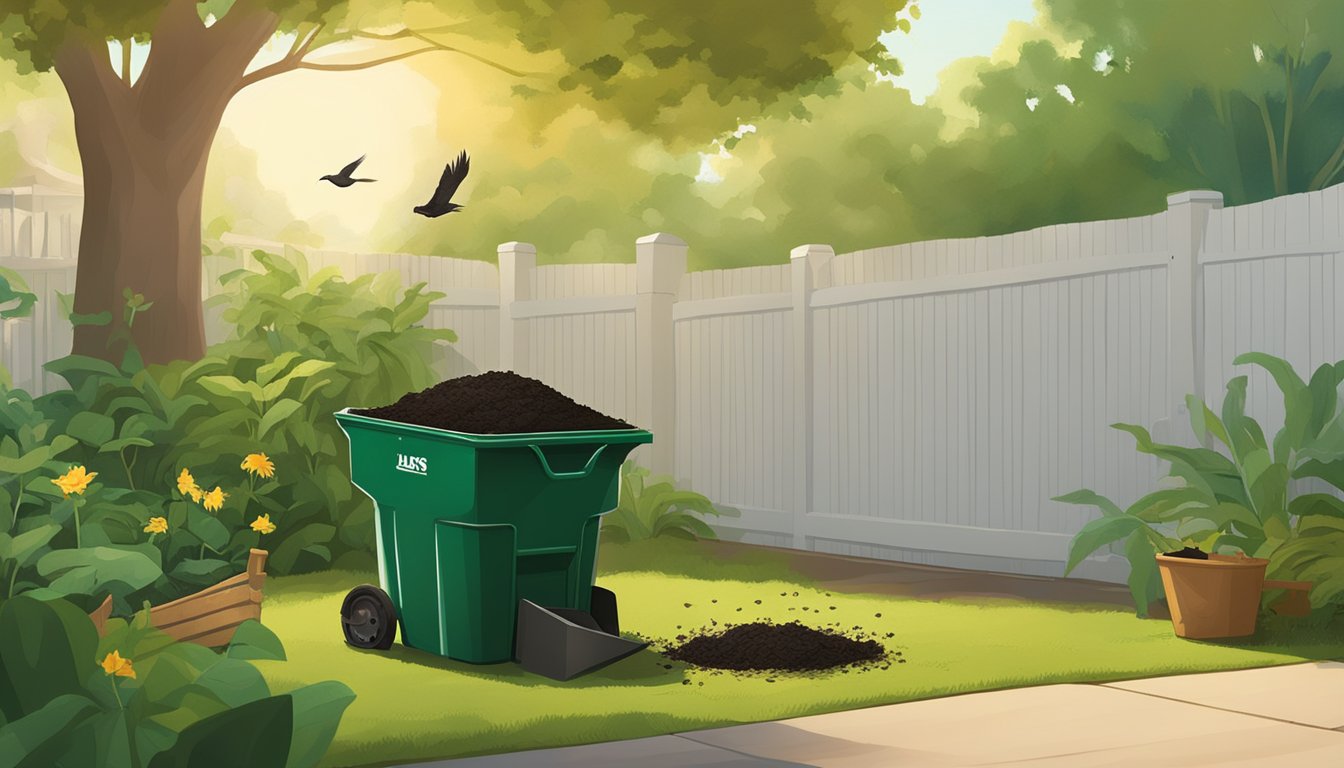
(1261, 718)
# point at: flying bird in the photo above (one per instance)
(453, 174)
(343, 178)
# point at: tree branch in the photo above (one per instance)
(301, 47)
(126, 61)
(295, 58)
(404, 33)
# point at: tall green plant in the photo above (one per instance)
(303, 346)
(1239, 496)
(136, 698)
(652, 506)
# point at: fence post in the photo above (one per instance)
(660, 263)
(1187, 215)
(516, 262)
(806, 262)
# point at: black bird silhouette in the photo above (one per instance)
(453, 174)
(343, 178)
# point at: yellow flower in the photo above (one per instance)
(113, 664)
(196, 495)
(186, 485)
(258, 464)
(74, 481)
(157, 525)
(214, 499)
(263, 524)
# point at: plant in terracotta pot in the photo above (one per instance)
(1241, 496)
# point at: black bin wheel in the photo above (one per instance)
(368, 618)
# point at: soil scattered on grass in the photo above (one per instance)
(496, 402)
(767, 646)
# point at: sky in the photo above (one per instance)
(948, 30)
(398, 108)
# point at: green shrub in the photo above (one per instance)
(303, 347)
(136, 698)
(652, 506)
(1240, 498)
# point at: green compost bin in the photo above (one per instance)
(468, 525)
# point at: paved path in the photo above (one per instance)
(1258, 718)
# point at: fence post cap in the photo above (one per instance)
(818, 249)
(660, 238)
(513, 246)
(1196, 196)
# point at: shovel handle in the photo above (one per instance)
(587, 468)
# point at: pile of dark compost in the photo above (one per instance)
(492, 403)
(765, 646)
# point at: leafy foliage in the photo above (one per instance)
(652, 506)
(136, 697)
(303, 348)
(1240, 497)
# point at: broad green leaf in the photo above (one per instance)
(201, 572)
(91, 570)
(1202, 461)
(229, 386)
(276, 414)
(235, 682)
(317, 712)
(121, 443)
(284, 556)
(1097, 534)
(1227, 514)
(1169, 504)
(46, 650)
(207, 528)
(1269, 492)
(1317, 504)
(26, 463)
(38, 738)
(1204, 421)
(15, 300)
(256, 734)
(76, 369)
(24, 546)
(272, 369)
(1324, 389)
(1144, 578)
(1244, 434)
(254, 640)
(301, 371)
(1296, 401)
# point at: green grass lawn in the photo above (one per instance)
(413, 705)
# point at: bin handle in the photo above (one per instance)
(587, 468)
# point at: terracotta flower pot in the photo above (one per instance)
(1218, 597)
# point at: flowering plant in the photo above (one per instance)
(206, 536)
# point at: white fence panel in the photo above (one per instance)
(921, 402)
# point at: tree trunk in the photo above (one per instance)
(144, 149)
(142, 232)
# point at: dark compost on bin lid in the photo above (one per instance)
(492, 403)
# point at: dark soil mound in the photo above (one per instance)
(497, 402)
(1193, 553)
(765, 646)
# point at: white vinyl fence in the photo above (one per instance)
(920, 402)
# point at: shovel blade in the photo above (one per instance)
(562, 643)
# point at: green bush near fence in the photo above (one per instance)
(302, 347)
